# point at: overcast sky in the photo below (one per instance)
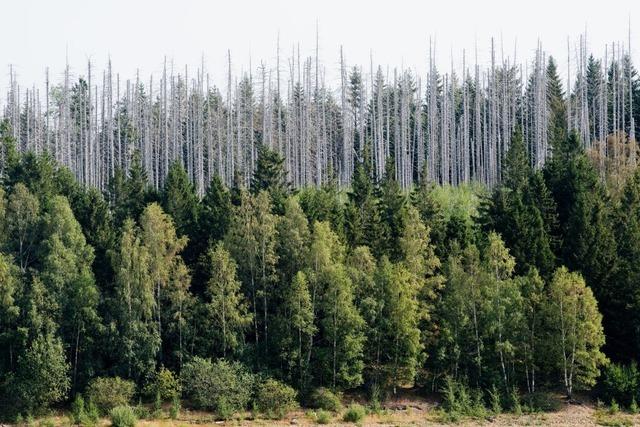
(138, 34)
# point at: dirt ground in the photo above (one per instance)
(412, 411)
(422, 415)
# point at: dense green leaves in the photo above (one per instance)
(374, 286)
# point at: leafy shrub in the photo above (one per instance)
(514, 401)
(619, 383)
(142, 412)
(355, 413)
(614, 408)
(323, 398)
(164, 384)
(633, 407)
(77, 409)
(495, 399)
(41, 378)
(107, 393)
(275, 399)
(47, 422)
(174, 411)
(123, 416)
(323, 417)
(459, 400)
(91, 414)
(222, 386)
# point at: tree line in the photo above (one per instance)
(530, 285)
(457, 122)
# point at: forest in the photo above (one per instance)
(180, 250)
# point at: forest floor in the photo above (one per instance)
(409, 411)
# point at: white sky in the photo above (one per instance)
(137, 34)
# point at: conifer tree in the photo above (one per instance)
(624, 299)
(362, 218)
(431, 211)
(215, 212)
(270, 176)
(515, 211)
(585, 217)
(557, 107)
(393, 213)
(180, 201)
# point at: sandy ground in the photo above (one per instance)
(403, 412)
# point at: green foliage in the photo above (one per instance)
(270, 176)
(355, 413)
(323, 417)
(495, 400)
(77, 409)
(522, 211)
(223, 387)
(458, 400)
(325, 288)
(109, 392)
(215, 212)
(275, 399)
(227, 308)
(163, 384)
(323, 398)
(42, 375)
(179, 199)
(614, 408)
(578, 334)
(174, 410)
(619, 383)
(123, 416)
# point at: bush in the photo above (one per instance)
(142, 412)
(275, 399)
(614, 408)
(107, 393)
(323, 417)
(77, 409)
(619, 383)
(41, 378)
(323, 398)
(222, 386)
(495, 399)
(514, 401)
(164, 384)
(174, 411)
(355, 413)
(459, 400)
(123, 416)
